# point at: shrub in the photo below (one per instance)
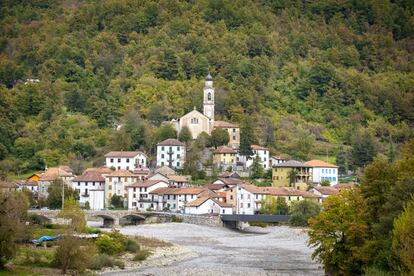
(103, 260)
(302, 211)
(106, 244)
(175, 218)
(373, 271)
(73, 254)
(132, 246)
(90, 230)
(34, 257)
(142, 255)
(259, 224)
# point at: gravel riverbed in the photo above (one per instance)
(219, 251)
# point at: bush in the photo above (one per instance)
(90, 230)
(259, 224)
(103, 260)
(107, 245)
(132, 246)
(175, 218)
(373, 271)
(34, 257)
(142, 255)
(302, 211)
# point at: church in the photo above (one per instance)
(198, 122)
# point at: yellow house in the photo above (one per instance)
(291, 174)
(224, 157)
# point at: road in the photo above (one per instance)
(220, 251)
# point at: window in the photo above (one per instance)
(162, 148)
(127, 168)
(222, 211)
(234, 137)
(231, 197)
(209, 96)
(194, 121)
(140, 206)
(234, 130)
(135, 189)
(78, 184)
(110, 188)
(134, 204)
(119, 160)
(248, 205)
(178, 164)
(178, 148)
(134, 195)
(323, 170)
(241, 205)
(162, 163)
(178, 156)
(127, 160)
(119, 167)
(241, 196)
(112, 160)
(162, 155)
(248, 196)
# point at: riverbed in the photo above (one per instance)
(277, 250)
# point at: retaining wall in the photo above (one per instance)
(201, 220)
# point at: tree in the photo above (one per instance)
(185, 135)
(257, 170)
(203, 140)
(325, 183)
(282, 208)
(403, 240)
(342, 161)
(219, 137)
(71, 210)
(302, 211)
(247, 138)
(339, 232)
(268, 206)
(73, 254)
(117, 201)
(165, 132)
(364, 149)
(54, 199)
(156, 114)
(293, 174)
(13, 215)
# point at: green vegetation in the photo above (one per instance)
(54, 199)
(302, 78)
(302, 211)
(175, 218)
(367, 228)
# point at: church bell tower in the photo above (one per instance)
(208, 101)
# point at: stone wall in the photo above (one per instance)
(214, 221)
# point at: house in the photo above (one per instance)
(139, 197)
(233, 130)
(324, 192)
(323, 171)
(274, 160)
(291, 173)
(228, 174)
(217, 187)
(207, 205)
(158, 176)
(173, 199)
(63, 173)
(171, 153)
(6, 187)
(229, 181)
(116, 183)
(165, 170)
(126, 160)
(90, 180)
(142, 173)
(32, 186)
(258, 152)
(102, 170)
(224, 158)
(178, 181)
(34, 177)
(291, 194)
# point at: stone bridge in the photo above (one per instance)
(109, 217)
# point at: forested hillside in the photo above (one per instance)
(312, 77)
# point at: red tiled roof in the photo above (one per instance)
(215, 187)
(224, 149)
(124, 154)
(319, 164)
(90, 176)
(171, 142)
(54, 173)
(231, 181)
(197, 202)
(326, 190)
(122, 173)
(101, 170)
(256, 147)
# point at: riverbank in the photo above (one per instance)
(202, 250)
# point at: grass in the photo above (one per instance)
(331, 159)
(22, 176)
(38, 232)
(34, 256)
(29, 271)
(142, 255)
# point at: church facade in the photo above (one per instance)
(198, 122)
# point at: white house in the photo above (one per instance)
(139, 197)
(117, 183)
(324, 192)
(90, 180)
(323, 171)
(206, 205)
(259, 152)
(171, 153)
(29, 185)
(247, 199)
(173, 199)
(126, 160)
(97, 199)
(274, 160)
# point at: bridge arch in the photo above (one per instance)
(132, 219)
(108, 221)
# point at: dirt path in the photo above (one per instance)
(219, 251)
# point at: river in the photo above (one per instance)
(219, 251)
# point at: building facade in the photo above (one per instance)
(291, 173)
(224, 158)
(126, 160)
(171, 153)
(139, 197)
(323, 171)
(116, 183)
(87, 182)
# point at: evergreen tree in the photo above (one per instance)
(342, 161)
(364, 149)
(257, 169)
(247, 138)
(391, 154)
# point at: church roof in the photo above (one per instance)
(209, 77)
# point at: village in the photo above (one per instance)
(159, 186)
